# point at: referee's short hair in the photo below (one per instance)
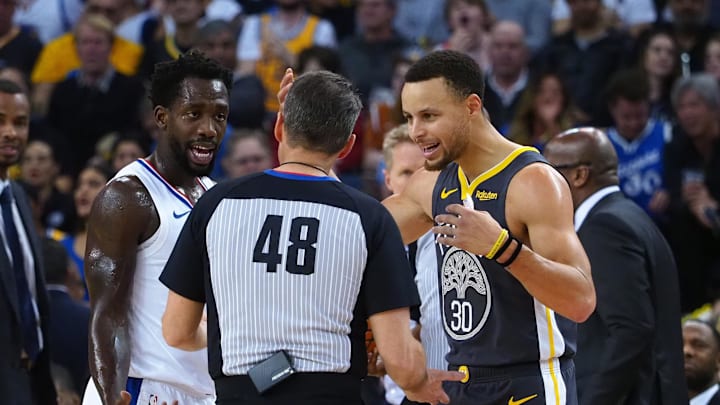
(320, 112)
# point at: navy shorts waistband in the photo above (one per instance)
(515, 370)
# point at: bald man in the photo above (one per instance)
(630, 349)
(508, 74)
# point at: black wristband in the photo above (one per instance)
(515, 254)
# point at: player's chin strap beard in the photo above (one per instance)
(305, 164)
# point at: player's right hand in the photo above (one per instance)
(431, 391)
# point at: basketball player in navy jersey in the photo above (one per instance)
(514, 277)
(291, 263)
(132, 229)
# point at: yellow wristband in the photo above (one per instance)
(498, 243)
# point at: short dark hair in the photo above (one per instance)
(630, 84)
(320, 111)
(713, 328)
(213, 28)
(168, 76)
(328, 58)
(55, 260)
(10, 87)
(461, 73)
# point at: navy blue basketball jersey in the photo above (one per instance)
(489, 317)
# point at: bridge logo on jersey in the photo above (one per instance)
(466, 297)
(483, 195)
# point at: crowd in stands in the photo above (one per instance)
(646, 70)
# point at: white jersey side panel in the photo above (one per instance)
(150, 356)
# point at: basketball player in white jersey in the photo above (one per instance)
(132, 229)
(402, 159)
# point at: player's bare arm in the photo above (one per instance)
(412, 209)
(182, 324)
(552, 265)
(404, 358)
(123, 215)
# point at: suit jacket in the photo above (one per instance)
(17, 385)
(630, 349)
(69, 336)
(715, 400)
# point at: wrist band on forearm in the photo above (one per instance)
(503, 237)
(514, 255)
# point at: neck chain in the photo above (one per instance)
(305, 164)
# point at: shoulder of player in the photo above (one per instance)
(538, 185)
(126, 197)
(421, 183)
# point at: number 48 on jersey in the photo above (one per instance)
(300, 247)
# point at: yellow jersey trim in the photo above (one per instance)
(467, 188)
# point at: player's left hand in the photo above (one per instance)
(467, 229)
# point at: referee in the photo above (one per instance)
(291, 264)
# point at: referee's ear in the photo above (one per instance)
(348, 146)
(279, 123)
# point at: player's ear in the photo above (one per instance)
(348, 146)
(161, 116)
(474, 104)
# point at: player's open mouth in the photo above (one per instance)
(429, 149)
(201, 154)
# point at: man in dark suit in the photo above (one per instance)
(701, 347)
(70, 319)
(24, 358)
(630, 349)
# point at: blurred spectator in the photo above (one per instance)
(544, 110)
(185, 16)
(586, 57)
(659, 61)
(49, 18)
(367, 58)
(248, 151)
(639, 142)
(532, 15)
(340, 13)
(126, 149)
(19, 46)
(104, 100)
(69, 326)
(218, 40)
(16, 76)
(712, 57)
(270, 42)
(89, 183)
(66, 392)
(632, 16)
(469, 22)
(60, 57)
(318, 58)
(692, 176)
(508, 73)
(421, 21)
(39, 168)
(701, 347)
(689, 21)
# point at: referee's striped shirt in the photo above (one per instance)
(290, 262)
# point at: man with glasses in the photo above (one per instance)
(630, 349)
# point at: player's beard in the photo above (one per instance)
(459, 138)
(180, 154)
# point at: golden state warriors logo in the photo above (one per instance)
(465, 294)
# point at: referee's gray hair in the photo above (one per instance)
(703, 84)
(320, 111)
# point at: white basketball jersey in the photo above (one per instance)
(150, 356)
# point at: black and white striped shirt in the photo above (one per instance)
(290, 262)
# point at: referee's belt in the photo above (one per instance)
(516, 370)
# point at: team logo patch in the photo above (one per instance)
(465, 294)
